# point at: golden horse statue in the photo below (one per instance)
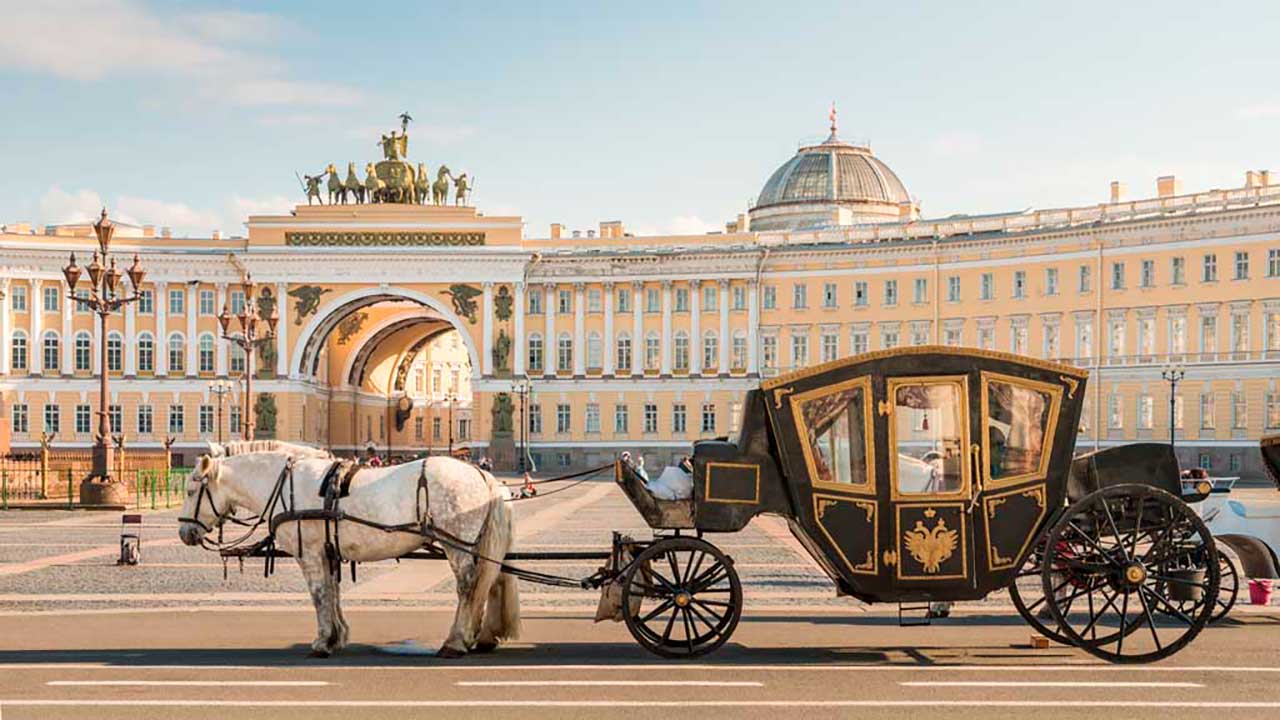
(337, 192)
(352, 185)
(422, 186)
(373, 185)
(440, 189)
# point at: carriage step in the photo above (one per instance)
(910, 615)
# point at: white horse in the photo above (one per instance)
(462, 500)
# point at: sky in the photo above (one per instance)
(668, 116)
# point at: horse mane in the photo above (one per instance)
(263, 446)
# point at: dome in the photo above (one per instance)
(833, 183)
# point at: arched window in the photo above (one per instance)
(237, 359)
(623, 352)
(710, 350)
(595, 350)
(206, 353)
(177, 353)
(146, 353)
(115, 351)
(535, 352)
(84, 351)
(681, 361)
(18, 347)
(739, 351)
(564, 353)
(652, 350)
(52, 351)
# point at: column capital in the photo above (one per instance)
(608, 285)
(695, 282)
(578, 286)
(666, 284)
(637, 284)
(723, 283)
(549, 285)
(487, 285)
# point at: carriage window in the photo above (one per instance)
(1018, 428)
(929, 437)
(834, 425)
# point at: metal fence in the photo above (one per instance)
(26, 481)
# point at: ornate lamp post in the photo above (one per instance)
(1173, 374)
(104, 299)
(221, 388)
(453, 396)
(521, 387)
(253, 328)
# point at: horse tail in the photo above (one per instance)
(494, 542)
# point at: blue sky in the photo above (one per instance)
(666, 115)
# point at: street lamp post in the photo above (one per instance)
(520, 387)
(452, 397)
(221, 388)
(104, 283)
(1172, 374)
(253, 327)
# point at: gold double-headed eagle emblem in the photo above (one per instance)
(931, 546)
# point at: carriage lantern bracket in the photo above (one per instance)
(253, 328)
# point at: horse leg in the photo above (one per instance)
(340, 631)
(316, 572)
(491, 627)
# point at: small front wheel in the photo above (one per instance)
(681, 597)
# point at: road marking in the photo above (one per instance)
(1064, 683)
(186, 683)
(215, 702)
(738, 668)
(608, 683)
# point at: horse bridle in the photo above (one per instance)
(202, 493)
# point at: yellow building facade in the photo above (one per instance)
(410, 328)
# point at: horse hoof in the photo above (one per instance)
(322, 654)
(485, 647)
(449, 653)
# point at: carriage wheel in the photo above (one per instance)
(1070, 590)
(1140, 552)
(686, 596)
(1228, 587)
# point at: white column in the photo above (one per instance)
(161, 308)
(609, 350)
(666, 328)
(222, 354)
(695, 327)
(549, 341)
(282, 330)
(753, 328)
(518, 342)
(637, 328)
(130, 355)
(35, 345)
(68, 331)
(724, 327)
(486, 331)
(192, 307)
(579, 332)
(6, 325)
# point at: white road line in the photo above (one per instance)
(607, 683)
(1062, 684)
(186, 683)
(738, 668)
(1040, 703)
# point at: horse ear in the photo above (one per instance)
(216, 450)
(205, 462)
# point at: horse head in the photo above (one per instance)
(208, 501)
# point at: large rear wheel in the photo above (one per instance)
(686, 596)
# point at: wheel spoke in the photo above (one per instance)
(657, 611)
(692, 569)
(688, 629)
(1169, 607)
(671, 622)
(1151, 622)
(1115, 530)
(1124, 622)
(703, 620)
(1087, 539)
(704, 605)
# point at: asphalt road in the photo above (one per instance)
(171, 638)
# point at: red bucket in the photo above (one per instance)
(1260, 592)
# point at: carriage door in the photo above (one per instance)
(929, 457)
(1017, 424)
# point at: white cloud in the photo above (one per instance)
(90, 40)
(57, 207)
(691, 225)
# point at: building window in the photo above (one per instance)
(115, 352)
(177, 301)
(710, 298)
(146, 353)
(1115, 412)
(624, 300)
(1177, 335)
(206, 303)
(237, 302)
(953, 288)
(1148, 273)
(739, 350)
(679, 419)
(769, 351)
(1273, 410)
(860, 294)
(988, 286)
(1115, 337)
(51, 294)
(951, 336)
(206, 419)
(1052, 342)
(681, 347)
(1146, 412)
(535, 352)
(652, 351)
(1086, 279)
(1177, 412)
(52, 351)
(859, 342)
(1084, 338)
(621, 419)
(535, 419)
(146, 421)
(233, 420)
(739, 297)
(595, 350)
(564, 459)
(563, 418)
(1208, 336)
(708, 418)
(920, 293)
(564, 301)
(1146, 338)
(1117, 276)
(1205, 461)
(1239, 411)
(146, 302)
(799, 351)
(18, 298)
(652, 301)
(593, 417)
(18, 351)
(650, 418)
(83, 419)
(1019, 284)
(770, 300)
(890, 292)
(622, 351)
(1210, 271)
(1018, 338)
(206, 353)
(830, 346)
(236, 360)
(82, 302)
(710, 350)
(20, 419)
(177, 353)
(1242, 265)
(419, 429)
(595, 300)
(1234, 462)
(1240, 335)
(52, 419)
(888, 337)
(1178, 271)
(829, 295)
(799, 296)
(1273, 263)
(535, 302)
(177, 421)
(1206, 411)
(682, 299)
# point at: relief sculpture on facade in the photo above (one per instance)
(464, 300)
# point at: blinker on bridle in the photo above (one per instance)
(202, 493)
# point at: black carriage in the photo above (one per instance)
(933, 474)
